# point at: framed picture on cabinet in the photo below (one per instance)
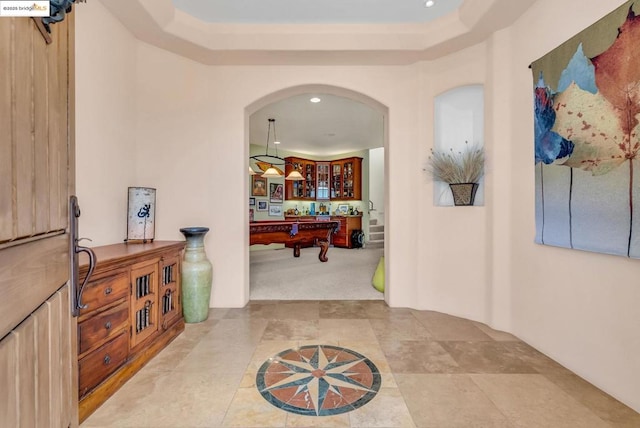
(262, 206)
(276, 192)
(258, 186)
(343, 209)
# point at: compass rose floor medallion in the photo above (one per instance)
(318, 380)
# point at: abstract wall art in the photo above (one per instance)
(587, 137)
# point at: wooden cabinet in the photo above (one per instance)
(171, 305)
(322, 180)
(342, 238)
(346, 179)
(339, 179)
(133, 311)
(302, 190)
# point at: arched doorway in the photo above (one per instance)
(354, 115)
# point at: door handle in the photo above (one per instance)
(74, 250)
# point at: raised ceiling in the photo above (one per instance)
(314, 11)
(314, 32)
(299, 42)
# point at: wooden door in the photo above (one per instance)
(38, 368)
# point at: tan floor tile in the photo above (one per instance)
(448, 401)
(249, 409)
(531, 400)
(217, 357)
(343, 309)
(145, 402)
(387, 409)
(602, 404)
(399, 329)
(335, 421)
(536, 359)
(445, 327)
(197, 330)
(488, 357)
(412, 356)
(174, 353)
(360, 309)
(211, 369)
(234, 330)
(298, 310)
(258, 310)
(217, 313)
(291, 329)
(346, 330)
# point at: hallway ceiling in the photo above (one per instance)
(335, 125)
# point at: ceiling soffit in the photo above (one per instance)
(159, 23)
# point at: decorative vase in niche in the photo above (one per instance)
(197, 274)
(463, 193)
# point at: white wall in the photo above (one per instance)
(191, 143)
(376, 184)
(191, 134)
(580, 308)
(453, 255)
(105, 123)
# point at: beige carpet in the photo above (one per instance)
(277, 275)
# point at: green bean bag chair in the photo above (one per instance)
(378, 276)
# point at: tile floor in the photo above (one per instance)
(437, 371)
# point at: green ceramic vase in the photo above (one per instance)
(197, 274)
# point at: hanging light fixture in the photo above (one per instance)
(294, 176)
(269, 163)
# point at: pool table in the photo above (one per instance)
(294, 233)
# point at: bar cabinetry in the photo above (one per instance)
(339, 179)
(342, 238)
(302, 190)
(133, 311)
(346, 179)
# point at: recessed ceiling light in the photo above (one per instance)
(315, 100)
(429, 3)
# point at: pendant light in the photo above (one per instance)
(269, 163)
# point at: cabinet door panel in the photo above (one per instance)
(170, 305)
(144, 298)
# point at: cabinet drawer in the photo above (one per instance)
(103, 291)
(102, 326)
(99, 364)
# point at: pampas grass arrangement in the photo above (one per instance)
(466, 166)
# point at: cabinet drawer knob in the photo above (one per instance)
(107, 325)
(108, 291)
(107, 360)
